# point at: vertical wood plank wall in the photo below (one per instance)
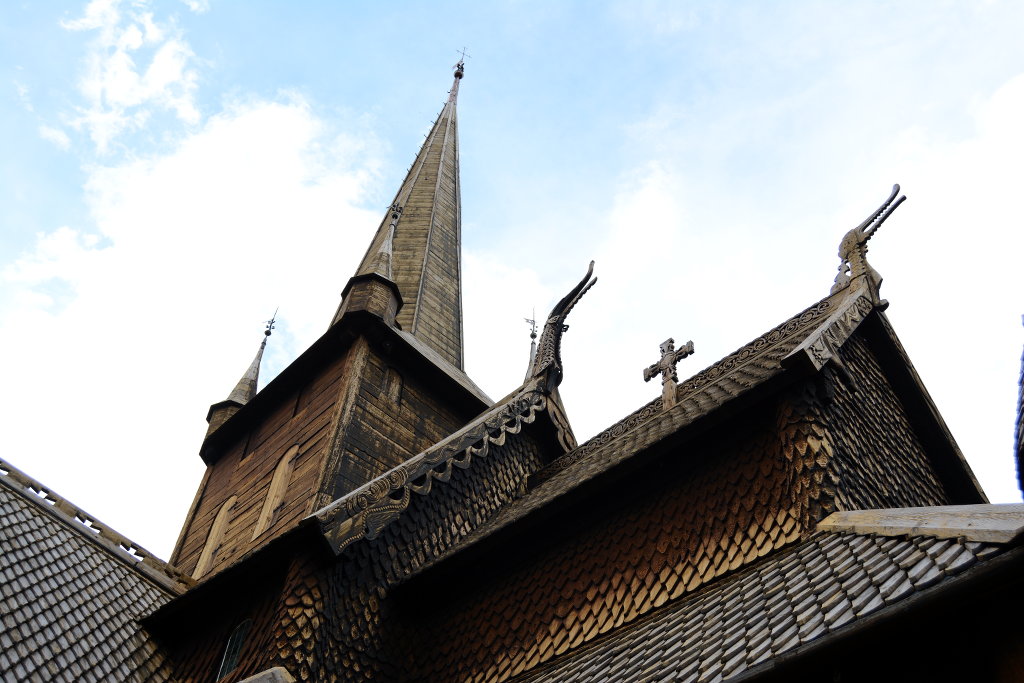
(247, 468)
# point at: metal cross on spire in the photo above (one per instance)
(460, 66)
(666, 367)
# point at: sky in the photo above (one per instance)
(173, 172)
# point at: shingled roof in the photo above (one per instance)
(73, 591)
(833, 319)
(819, 587)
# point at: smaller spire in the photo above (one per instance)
(381, 264)
(244, 390)
(532, 322)
(246, 387)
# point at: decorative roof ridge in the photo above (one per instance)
(984, 523)
(694, 401)
(836, 306)
(157, 571)
(822, 346)
(364, 512)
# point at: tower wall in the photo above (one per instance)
(394, 414)
(303, 418)
(351, 419)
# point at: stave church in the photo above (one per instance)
(797, 511)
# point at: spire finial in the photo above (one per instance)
(460, 66)
(270, 325)
(532, 322)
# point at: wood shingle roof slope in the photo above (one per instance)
(72, 592)
(804, 598)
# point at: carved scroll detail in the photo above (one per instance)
(548, 362)
(823, 345)
(365, 512)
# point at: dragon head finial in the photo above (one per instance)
(548, 362)
(853, 249)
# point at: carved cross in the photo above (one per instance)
(666, 367)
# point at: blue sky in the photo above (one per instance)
(173, 171)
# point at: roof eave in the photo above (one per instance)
(325, 349)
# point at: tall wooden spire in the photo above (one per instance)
(418, 244)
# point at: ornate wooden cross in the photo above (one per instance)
(666, 367)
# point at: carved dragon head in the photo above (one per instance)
(853, 249)
(547, 365)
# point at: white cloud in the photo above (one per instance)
(23, 98)
(98, 14)
(122, 91)
(55, 135)
(159, 312)
(197, 6)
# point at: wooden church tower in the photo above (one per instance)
(384, 383)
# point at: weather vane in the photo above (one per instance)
(532, 322)
(271, 323)
(461, 64)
